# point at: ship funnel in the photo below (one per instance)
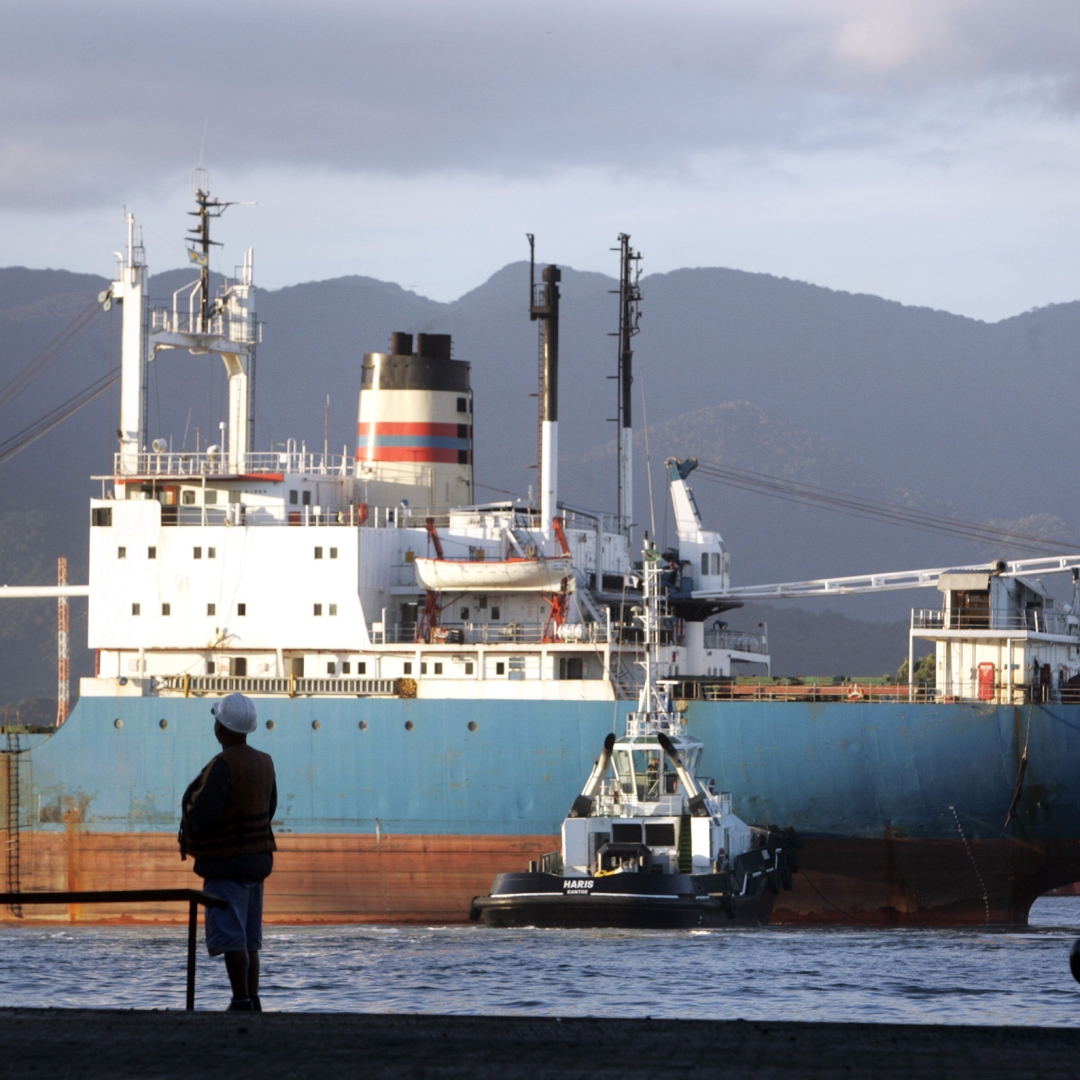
(414, 433)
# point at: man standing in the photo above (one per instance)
(225, 825)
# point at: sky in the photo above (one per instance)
(927, 152)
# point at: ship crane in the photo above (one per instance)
(693, 536)
(896, 579)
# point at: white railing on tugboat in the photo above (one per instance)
(1036, 621)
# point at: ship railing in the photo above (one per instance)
(737, 641)
(242, 329)
(876, 692)
(181, 463)
(403, 517)
(1035, 620)
(477, 633)
(291, 686)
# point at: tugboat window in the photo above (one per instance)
(647, 774)
(626, 834)
(660, 834)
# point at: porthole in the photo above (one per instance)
(473, 725)
(163, 723)
(363, 725)
(408, 725)
(269, 725)
(118, 723)
(315, 725)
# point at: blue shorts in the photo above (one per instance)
(237, 928)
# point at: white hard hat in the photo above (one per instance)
(237, 713)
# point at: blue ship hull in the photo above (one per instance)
(399, 809)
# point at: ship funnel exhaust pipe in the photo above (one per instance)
(544, 308)
(583, 803)
(696, 798)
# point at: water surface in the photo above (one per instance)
(967, 976)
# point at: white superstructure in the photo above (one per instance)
(290, 572)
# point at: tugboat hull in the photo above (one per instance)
(624, 901)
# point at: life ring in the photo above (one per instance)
(854, 693)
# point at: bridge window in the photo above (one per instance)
(716, 562)
(318, 553)
(121, 552)
(136, 609)
(211, 609)
(196, 553)
(187, 498)
(241, 609)
(166, 609)
(151, 552)
(210, 496)
(211, 553)
(294, 498)
(333, 609)
(462, 404)
(704, 564)
(346, 667)
(333, 553)
(318, 609)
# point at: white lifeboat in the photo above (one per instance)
(501, 575)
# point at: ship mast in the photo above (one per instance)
(653, 703)
(629, 317)
(544, 308)
(199, 253)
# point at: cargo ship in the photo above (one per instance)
(433, 675)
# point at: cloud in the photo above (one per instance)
(116, 96)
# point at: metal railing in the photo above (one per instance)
(737, 640)
(181, 463)
(241, 329)
(193, 898)
(1035, 620)
(469, 633)
(853, 692)
(292, 685)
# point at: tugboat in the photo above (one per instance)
(652, 846)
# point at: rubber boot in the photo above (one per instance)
(240, 1005)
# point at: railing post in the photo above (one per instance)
(193, 923)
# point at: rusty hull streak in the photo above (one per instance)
(381, 877)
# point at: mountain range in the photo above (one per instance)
(907, 405)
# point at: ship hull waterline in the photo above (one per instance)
(904, 810)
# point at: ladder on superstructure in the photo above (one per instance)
(12, 816)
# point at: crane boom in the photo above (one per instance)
(897, 579)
